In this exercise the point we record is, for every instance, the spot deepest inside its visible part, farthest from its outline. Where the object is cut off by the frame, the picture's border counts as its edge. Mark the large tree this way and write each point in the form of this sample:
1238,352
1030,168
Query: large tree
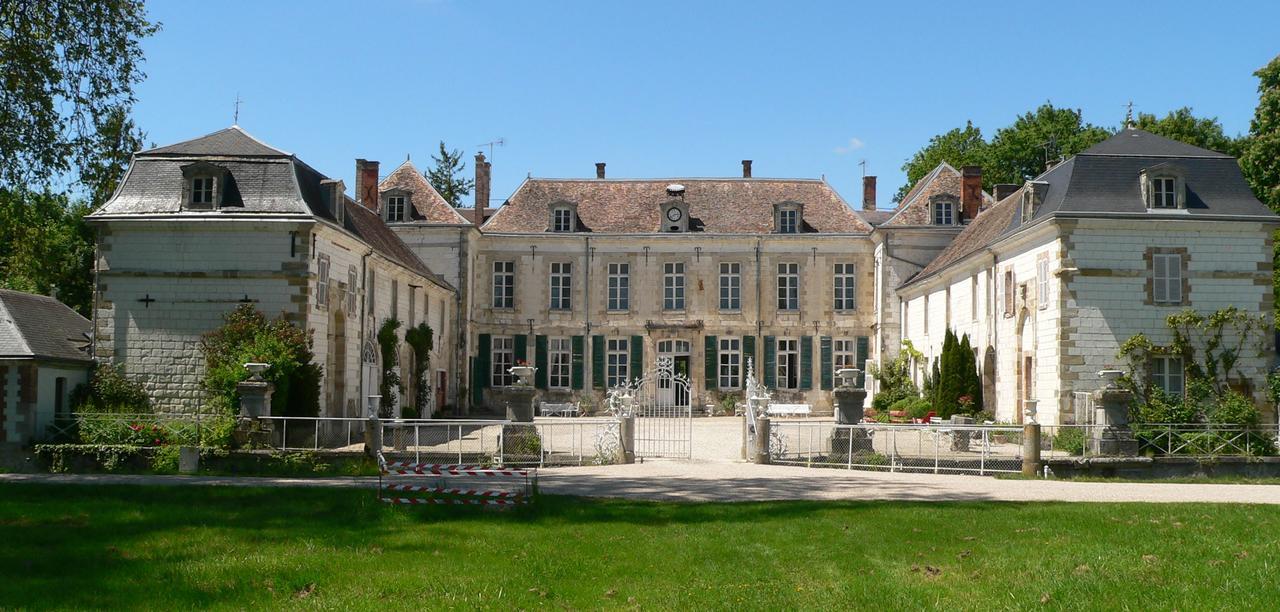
447,175
1260,152
959,147
46,246
1022,151
1182,125
68,68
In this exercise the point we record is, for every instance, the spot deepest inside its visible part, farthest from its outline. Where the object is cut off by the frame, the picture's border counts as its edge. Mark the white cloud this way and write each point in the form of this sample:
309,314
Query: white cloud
854,145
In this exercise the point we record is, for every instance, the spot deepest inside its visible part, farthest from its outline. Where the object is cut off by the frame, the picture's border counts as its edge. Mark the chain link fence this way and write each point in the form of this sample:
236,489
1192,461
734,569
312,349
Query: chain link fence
544,442
933,448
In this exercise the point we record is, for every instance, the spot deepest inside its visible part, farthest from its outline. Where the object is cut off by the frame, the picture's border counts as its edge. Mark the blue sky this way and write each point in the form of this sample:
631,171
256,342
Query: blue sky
663,89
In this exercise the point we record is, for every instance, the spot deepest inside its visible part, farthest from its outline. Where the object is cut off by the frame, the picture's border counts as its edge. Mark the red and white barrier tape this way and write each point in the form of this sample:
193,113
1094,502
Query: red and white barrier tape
453,501
471,492
405,468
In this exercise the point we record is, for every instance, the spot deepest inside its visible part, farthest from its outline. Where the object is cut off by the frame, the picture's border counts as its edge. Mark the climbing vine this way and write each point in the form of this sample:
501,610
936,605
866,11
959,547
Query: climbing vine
1211,347
389,345
421,339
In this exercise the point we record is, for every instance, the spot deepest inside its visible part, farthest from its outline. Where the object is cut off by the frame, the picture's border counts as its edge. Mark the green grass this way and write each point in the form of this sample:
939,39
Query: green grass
185,547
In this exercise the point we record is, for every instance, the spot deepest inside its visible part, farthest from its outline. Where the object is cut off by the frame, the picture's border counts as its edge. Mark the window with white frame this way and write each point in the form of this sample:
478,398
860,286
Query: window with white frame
925,313
504,284
619,286
973,297
618,356
788,363
1163,194
559,355
673,286
788,286
944,213
351,289
843,354
730,286
561,285
503,358
1167,374
322,281
730,363
204,190
562,219
396,212
1166,278
845,283
906,318
1042,282
788,220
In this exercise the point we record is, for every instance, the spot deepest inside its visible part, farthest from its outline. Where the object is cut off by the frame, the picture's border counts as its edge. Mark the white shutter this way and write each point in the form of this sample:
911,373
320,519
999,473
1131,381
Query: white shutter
1159,279
1173,272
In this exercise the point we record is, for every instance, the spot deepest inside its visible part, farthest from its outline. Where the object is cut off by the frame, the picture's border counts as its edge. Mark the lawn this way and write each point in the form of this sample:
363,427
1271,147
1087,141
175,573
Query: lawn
184,547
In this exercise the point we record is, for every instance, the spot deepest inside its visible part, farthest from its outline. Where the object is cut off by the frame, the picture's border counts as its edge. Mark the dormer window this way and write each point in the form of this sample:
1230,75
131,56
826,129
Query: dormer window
562,219
1163,194
1163,187
944,213
396,209
206,186
788,221
203,190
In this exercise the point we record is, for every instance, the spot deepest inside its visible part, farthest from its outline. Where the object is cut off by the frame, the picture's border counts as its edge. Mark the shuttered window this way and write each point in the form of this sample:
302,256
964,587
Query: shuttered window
502,357
559,354
618,361
788,363
729,356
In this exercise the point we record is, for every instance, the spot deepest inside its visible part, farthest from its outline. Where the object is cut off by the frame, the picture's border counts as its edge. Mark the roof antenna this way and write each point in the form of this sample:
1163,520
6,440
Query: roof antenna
235,119
863,163
499,142
1128,117
1050,149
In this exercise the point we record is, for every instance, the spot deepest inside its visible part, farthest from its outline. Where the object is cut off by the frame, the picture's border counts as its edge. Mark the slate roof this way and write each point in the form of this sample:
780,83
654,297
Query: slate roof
40,327
428,205
720,205
262,180
1104,181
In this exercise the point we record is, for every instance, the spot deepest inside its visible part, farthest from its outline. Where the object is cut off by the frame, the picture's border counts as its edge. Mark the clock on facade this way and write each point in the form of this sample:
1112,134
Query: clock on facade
673,214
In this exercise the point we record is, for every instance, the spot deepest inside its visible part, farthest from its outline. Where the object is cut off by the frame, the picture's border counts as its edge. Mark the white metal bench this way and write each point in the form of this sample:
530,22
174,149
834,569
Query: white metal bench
788,410
561,410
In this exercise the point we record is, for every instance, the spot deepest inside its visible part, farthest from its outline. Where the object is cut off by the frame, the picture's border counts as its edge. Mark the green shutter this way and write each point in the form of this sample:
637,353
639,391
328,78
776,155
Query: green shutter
864,353
597,361
709,363
576,366
806,363
480,373
637,358
476,395
828,363
540,362
749,352
770,362
521,343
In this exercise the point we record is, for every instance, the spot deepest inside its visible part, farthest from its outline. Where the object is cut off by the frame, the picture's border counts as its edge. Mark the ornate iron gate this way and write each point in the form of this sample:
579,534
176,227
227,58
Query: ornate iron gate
664,412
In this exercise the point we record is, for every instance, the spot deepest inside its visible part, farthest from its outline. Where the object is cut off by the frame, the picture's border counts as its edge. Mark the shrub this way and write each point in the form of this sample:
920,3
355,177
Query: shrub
728,403
1069,440
1162,407
164,460
1233,408
389,346
248,336
894,378
421,339
109,390
913,407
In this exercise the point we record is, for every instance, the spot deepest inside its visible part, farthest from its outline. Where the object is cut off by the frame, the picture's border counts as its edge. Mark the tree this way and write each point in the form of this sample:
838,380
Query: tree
47,247
959,147
248,336
1183,126
1260,153
447,177
116,140
1021,151
68,67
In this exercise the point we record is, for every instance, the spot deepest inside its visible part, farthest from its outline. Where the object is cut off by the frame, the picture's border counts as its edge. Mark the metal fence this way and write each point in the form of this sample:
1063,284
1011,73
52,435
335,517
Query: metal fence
935,447
544,442
126,428
1163,439
316,433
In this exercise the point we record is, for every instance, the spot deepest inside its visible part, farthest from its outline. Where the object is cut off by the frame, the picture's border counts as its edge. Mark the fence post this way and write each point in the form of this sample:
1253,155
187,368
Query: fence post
1030,449
373,436
627,438
761,450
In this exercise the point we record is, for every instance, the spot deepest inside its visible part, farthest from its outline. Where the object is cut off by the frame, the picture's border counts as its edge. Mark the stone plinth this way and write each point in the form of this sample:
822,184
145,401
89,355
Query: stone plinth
520,404
849,402
255,398
1113,437
846,440
960,437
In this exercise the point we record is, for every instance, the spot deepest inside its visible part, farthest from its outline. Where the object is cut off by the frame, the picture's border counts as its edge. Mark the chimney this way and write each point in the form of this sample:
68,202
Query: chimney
970,191
868,193
367,184
746,168
482,189
599,170
1004,190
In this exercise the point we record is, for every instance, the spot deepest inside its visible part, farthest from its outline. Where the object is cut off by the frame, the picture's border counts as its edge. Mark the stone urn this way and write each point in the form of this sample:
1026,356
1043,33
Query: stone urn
523,374
520,395
1111,378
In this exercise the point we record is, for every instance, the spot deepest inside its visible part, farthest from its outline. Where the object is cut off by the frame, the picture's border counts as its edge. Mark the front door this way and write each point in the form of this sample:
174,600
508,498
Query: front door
442,382
670,394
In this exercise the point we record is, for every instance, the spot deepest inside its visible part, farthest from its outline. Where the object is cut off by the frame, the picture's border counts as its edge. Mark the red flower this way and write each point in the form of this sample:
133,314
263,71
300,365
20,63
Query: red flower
135,427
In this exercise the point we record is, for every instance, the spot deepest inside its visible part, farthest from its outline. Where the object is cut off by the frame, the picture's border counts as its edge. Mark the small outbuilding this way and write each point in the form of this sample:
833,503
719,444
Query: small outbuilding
44,354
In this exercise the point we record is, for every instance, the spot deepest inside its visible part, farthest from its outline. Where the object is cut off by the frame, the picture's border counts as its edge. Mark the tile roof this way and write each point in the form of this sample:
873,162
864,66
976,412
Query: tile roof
914,209
728,205
41,327
428,205
876,217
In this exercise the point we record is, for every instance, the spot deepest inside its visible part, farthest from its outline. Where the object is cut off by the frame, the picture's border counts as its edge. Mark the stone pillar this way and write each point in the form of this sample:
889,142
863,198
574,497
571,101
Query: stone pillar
1030,449
627,439
1113,436
188,460
760,452
960,437
520,404
255,398
849,405
255,402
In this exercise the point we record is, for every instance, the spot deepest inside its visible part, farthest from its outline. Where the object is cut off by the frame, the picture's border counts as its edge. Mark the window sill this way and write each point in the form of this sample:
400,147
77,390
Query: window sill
730,311
846,311
618,312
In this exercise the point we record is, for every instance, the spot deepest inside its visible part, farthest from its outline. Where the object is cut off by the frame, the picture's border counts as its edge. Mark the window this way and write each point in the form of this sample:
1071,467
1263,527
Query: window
322,281
504,284
1166,373
1042,282
395,299
944,213
559,354
203,189
561,285
395,209
618,354
413,305
844,354
1166,278
844,290
673,286
788,221
989,292
1163,194
562,220
369,291
788,364
60,398
351,289
906,320
504,358
730,363
788,286
973,297
1008,293
730,286
619,286
926,315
